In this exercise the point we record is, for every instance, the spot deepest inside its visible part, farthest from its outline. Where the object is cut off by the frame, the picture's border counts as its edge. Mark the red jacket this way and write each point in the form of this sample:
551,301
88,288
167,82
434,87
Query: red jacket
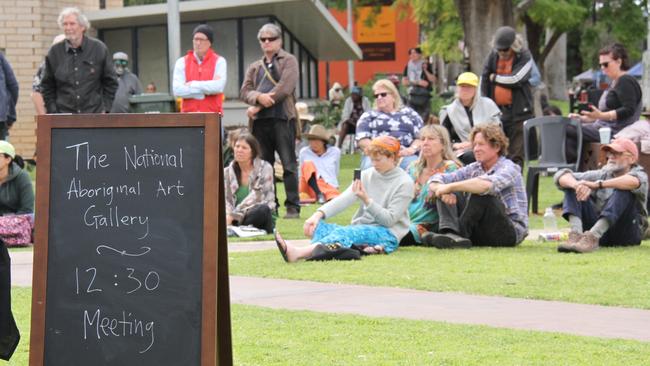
202,72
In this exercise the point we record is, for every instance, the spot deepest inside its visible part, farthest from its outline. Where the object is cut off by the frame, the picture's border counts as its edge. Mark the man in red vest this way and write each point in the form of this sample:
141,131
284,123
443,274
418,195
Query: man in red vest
200,76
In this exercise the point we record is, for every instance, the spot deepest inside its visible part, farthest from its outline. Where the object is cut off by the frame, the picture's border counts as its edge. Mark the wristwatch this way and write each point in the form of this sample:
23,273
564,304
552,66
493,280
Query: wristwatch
600,183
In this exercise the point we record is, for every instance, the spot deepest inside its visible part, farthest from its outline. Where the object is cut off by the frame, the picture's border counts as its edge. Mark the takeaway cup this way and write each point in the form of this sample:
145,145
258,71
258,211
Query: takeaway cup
605,135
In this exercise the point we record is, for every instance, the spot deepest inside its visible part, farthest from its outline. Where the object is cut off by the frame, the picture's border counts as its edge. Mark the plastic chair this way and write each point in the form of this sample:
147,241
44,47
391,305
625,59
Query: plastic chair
552,157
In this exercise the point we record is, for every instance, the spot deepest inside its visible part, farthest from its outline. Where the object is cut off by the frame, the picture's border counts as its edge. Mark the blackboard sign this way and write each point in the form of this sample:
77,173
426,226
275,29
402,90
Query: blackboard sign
128,273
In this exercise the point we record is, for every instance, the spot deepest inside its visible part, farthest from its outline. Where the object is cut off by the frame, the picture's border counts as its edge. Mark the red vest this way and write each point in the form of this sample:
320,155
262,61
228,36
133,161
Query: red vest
204,71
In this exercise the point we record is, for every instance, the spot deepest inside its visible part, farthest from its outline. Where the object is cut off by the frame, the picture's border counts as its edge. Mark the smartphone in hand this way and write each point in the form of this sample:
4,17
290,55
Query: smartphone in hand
357,174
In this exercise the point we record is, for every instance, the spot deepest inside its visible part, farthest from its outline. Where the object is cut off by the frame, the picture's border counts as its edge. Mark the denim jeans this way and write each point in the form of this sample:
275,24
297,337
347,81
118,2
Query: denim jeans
482,220
621,212
280,135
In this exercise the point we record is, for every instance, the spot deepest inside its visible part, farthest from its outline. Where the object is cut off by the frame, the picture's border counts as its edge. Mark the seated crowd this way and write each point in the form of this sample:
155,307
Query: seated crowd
445,186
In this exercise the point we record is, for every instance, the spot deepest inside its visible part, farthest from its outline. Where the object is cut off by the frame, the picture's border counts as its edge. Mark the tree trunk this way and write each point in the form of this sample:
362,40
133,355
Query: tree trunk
555,68
480,20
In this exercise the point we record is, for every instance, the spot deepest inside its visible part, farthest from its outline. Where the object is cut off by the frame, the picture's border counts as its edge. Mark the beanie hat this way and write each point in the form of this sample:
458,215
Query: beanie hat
504,38
205,29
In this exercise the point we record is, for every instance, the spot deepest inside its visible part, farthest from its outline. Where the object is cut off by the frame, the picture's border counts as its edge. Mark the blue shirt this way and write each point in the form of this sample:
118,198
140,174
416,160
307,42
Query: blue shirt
404,125
507,186
327,165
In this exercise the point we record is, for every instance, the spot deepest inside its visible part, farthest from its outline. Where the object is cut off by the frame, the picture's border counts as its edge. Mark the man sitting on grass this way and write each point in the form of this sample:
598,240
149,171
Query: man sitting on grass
483,203
609,202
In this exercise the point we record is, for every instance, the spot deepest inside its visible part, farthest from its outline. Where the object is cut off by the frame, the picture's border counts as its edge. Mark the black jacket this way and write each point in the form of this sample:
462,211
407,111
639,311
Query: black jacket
522,96
81,80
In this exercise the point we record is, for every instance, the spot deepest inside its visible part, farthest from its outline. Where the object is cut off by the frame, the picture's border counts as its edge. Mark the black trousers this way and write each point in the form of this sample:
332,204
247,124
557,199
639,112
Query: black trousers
589,134
9,334
259,216
280,135
481,219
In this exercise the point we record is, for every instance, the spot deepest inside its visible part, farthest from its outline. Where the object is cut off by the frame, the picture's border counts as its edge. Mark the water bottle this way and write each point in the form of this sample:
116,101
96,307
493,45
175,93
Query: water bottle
550,222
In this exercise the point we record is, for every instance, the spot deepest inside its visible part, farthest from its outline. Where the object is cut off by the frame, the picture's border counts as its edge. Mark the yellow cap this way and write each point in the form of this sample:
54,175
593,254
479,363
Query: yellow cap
467,78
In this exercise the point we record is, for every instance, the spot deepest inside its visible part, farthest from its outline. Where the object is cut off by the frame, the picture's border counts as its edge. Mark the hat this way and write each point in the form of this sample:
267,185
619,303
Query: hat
303,111
7,148
389,143
504,38
318,132
120,56
467,78
356,90
622,145
205,29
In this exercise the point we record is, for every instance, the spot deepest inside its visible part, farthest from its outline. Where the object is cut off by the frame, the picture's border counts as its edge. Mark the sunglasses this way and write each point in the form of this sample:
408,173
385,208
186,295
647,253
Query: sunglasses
268,39
383,95
604,65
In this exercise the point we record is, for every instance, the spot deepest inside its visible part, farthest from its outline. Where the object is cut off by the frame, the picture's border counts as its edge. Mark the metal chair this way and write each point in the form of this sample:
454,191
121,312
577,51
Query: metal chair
552,155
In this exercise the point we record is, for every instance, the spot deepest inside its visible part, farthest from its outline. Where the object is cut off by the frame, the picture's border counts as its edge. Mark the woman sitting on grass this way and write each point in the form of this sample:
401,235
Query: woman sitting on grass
379,224
248,180
16,198
436,156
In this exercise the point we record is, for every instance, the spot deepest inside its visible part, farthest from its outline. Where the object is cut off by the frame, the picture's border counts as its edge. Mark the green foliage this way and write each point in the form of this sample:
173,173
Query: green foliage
559,15
440,24
615,21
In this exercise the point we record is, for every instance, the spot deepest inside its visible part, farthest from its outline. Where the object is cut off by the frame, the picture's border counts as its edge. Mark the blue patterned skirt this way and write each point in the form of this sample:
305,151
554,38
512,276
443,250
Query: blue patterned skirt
355,234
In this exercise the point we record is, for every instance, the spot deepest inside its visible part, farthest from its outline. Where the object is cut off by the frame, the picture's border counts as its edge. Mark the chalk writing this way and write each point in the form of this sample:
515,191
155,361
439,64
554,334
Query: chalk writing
125,326
112,219
145,250
92,161
77,190
150,158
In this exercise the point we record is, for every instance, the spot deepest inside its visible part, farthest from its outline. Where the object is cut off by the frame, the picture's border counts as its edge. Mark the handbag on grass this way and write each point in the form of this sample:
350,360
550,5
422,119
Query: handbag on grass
16,230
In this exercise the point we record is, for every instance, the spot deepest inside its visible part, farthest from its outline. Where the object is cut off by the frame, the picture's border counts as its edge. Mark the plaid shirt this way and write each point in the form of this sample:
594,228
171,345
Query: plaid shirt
507,186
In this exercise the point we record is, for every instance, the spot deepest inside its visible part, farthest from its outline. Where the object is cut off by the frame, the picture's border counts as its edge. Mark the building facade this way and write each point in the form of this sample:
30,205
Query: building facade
27,28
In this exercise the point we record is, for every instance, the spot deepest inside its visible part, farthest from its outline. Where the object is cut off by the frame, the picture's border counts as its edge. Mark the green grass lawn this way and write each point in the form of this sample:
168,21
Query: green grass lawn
612,276
268,337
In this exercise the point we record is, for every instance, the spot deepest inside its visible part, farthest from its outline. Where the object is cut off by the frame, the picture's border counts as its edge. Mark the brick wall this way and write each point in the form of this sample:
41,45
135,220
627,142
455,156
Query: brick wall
27,28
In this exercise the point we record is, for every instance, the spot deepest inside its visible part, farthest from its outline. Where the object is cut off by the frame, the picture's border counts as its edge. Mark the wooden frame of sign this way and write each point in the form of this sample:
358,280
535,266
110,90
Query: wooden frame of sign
120,300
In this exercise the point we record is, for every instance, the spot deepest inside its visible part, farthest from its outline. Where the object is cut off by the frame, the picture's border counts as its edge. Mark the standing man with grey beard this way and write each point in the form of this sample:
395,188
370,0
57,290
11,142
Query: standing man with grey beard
79,76
608,204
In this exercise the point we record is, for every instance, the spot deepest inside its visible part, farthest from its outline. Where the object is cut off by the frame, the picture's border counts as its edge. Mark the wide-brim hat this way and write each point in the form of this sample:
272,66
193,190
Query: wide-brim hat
318,132
303,111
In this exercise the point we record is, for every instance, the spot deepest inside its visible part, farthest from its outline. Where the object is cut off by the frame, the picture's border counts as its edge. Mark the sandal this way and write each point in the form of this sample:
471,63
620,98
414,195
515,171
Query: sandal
282,246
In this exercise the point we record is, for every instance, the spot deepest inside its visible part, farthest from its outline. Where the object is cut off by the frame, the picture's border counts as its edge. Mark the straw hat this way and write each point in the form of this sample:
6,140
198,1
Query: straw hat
303,111
318,132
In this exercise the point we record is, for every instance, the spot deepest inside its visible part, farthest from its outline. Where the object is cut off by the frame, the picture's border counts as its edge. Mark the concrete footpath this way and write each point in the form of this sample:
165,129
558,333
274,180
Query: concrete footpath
551,316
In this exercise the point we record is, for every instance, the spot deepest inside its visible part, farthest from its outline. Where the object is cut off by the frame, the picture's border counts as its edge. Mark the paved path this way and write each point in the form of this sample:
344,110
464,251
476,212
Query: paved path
553,316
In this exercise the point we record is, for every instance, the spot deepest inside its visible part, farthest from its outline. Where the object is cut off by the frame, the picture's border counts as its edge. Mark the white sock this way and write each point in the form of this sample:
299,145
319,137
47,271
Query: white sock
600,227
